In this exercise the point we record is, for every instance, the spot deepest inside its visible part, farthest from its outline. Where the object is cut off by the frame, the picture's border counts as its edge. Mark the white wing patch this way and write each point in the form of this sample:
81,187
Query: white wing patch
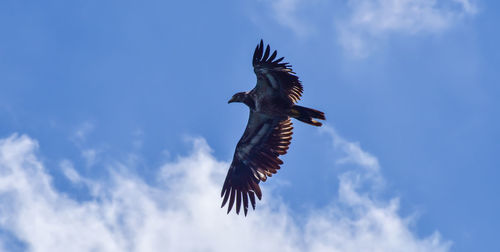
272,81
244,151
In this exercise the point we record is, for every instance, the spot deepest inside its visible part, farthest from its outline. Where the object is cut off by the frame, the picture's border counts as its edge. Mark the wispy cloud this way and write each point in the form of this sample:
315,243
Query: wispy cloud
82,131
369,22
90,156
69,171
366,169
181,212
372,20
285,12
80,138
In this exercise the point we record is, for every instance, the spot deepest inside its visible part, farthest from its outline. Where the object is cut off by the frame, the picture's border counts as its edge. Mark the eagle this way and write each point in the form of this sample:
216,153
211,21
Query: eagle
269,128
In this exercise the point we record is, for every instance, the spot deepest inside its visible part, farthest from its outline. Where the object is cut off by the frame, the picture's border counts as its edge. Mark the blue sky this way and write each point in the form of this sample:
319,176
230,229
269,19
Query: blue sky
105,96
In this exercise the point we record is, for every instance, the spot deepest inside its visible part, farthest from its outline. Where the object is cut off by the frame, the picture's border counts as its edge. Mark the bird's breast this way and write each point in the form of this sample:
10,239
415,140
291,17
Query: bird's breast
272,106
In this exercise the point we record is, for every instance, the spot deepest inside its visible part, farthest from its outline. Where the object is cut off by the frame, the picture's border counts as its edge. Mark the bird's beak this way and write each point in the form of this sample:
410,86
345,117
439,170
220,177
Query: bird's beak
231,100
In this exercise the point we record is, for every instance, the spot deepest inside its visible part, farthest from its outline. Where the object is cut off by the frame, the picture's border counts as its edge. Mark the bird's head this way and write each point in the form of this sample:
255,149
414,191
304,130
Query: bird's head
238,97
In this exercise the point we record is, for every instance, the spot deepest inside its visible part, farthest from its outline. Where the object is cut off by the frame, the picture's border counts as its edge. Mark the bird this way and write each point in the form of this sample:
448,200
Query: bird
269,129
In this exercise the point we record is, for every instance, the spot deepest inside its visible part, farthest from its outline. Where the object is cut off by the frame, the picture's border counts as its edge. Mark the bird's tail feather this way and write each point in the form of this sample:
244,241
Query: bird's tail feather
307,114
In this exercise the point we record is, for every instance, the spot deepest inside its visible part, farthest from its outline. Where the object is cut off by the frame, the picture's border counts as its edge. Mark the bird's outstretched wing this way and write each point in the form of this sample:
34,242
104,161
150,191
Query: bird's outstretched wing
275,74
255,159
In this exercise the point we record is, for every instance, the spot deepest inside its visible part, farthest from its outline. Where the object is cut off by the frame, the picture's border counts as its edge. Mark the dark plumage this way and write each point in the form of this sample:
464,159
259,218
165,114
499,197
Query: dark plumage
269,129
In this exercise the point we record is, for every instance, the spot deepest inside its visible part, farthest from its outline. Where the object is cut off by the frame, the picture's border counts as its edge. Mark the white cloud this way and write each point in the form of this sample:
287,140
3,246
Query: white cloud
69,171
368,168
80,137
181,212
371,20
285,13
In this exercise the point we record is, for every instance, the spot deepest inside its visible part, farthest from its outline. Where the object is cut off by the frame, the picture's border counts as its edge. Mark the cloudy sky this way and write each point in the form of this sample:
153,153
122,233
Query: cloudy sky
116,134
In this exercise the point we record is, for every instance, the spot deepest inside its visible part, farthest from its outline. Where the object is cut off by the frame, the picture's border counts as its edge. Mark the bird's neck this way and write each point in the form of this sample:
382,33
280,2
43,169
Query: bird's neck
249,101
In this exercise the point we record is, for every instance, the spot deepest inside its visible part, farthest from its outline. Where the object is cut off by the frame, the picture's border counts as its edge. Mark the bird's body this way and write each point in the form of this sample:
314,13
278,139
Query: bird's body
269,129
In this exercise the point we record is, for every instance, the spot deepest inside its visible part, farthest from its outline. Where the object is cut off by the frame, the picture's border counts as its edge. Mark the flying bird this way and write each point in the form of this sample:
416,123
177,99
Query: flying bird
269,128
